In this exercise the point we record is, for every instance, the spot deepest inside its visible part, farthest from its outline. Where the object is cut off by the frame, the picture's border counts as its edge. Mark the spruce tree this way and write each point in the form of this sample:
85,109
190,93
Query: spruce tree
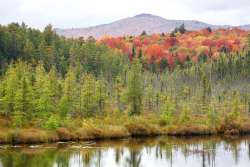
11,82
68,100
89,99
168,109
22,103
134,92
101,95
43,102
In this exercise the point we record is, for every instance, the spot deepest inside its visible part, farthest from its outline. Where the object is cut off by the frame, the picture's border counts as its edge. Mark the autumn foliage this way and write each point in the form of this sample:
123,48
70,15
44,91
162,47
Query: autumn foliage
188,46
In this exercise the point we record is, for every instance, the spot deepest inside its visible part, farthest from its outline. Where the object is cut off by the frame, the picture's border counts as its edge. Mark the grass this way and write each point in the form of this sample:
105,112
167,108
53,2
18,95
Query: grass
121,126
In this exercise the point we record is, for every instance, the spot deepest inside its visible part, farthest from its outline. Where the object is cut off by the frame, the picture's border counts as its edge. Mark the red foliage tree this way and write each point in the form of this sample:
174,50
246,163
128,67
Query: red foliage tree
154,52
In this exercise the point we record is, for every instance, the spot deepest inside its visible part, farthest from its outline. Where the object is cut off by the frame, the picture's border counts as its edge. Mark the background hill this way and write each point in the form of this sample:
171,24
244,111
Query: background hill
135,25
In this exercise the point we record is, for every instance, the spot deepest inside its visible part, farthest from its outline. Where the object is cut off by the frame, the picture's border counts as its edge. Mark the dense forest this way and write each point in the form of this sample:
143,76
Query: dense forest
178,83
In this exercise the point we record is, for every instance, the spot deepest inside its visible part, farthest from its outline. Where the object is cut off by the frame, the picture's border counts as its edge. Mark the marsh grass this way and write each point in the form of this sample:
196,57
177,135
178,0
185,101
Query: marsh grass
123,126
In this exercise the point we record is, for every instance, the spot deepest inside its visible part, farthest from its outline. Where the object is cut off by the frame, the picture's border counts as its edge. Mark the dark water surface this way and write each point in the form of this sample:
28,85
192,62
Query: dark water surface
147,152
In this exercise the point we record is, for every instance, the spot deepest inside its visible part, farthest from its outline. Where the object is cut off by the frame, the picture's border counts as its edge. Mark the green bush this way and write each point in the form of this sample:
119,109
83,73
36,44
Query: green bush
52,123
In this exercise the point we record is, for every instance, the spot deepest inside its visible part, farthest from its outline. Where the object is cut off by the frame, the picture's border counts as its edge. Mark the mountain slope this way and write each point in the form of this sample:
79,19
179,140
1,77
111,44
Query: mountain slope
245,27
134,26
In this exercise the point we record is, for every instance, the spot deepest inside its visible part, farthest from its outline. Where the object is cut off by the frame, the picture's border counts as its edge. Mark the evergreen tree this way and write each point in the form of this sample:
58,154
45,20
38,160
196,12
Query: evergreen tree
28,50
134,92
168,110
182,29
23,97
43,102
143,33
22,103
101,94
49,35
11,83
118,92
89,98
68,100
149,98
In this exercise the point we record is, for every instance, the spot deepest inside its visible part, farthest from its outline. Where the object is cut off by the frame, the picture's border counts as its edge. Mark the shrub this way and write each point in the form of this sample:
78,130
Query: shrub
52,123
167,111
185,114
17,119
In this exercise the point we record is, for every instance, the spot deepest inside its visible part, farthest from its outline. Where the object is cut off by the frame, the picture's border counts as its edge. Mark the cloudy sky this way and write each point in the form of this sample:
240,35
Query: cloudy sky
83,13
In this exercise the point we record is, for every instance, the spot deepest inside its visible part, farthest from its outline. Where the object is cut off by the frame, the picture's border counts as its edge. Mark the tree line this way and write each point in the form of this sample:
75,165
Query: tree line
50,79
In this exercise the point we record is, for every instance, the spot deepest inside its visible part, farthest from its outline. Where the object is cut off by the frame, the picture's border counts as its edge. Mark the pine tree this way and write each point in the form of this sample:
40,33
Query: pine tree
89,101
43,101
28,50
68,102
48,34
133,52
206,91
182,29
23,97
53,85
168,110
11,82
101,94
149,98
118,92
185,113
134,92
235,109
22,103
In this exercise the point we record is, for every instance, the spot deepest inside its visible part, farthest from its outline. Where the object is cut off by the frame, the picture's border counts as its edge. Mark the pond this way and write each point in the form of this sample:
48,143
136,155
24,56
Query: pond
134,152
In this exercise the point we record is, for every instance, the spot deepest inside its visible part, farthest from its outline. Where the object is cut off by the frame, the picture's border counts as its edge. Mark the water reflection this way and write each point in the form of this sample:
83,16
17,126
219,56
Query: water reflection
161,151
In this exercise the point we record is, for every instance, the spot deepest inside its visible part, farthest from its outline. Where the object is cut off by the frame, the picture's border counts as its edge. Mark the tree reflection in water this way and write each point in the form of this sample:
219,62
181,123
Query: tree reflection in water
161,151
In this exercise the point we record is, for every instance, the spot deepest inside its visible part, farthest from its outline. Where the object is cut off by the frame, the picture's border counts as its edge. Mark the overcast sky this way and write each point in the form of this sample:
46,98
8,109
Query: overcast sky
83,13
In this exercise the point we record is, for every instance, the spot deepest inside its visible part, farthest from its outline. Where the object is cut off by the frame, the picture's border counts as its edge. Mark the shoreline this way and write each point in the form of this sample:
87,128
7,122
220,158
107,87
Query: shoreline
41,136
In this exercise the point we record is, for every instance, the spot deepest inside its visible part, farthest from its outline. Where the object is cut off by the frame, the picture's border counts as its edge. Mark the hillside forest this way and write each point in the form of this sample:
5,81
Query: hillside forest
180,83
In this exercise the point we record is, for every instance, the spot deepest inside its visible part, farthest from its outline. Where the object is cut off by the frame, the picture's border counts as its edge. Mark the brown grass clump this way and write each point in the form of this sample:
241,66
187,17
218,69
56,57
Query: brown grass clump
32,135
4,122
245,128
88,131
65,135
111,131
189,130
140,127
232,132
4,136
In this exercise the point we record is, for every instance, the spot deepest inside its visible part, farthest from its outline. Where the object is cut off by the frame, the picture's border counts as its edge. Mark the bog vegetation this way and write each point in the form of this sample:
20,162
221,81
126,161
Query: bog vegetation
183,83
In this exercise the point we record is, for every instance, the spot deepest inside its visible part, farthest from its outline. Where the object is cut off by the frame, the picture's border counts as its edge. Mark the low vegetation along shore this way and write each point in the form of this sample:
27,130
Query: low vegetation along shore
122,127
58,89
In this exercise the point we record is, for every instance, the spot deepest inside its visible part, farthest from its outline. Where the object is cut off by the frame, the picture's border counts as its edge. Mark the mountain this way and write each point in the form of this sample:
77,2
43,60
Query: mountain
245,27
135,25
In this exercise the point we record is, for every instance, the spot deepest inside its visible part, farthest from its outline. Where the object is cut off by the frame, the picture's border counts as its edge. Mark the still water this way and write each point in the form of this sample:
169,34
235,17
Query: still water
146,152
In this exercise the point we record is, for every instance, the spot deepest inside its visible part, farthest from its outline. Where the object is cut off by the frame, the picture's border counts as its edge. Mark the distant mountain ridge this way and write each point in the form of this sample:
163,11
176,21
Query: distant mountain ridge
135,25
